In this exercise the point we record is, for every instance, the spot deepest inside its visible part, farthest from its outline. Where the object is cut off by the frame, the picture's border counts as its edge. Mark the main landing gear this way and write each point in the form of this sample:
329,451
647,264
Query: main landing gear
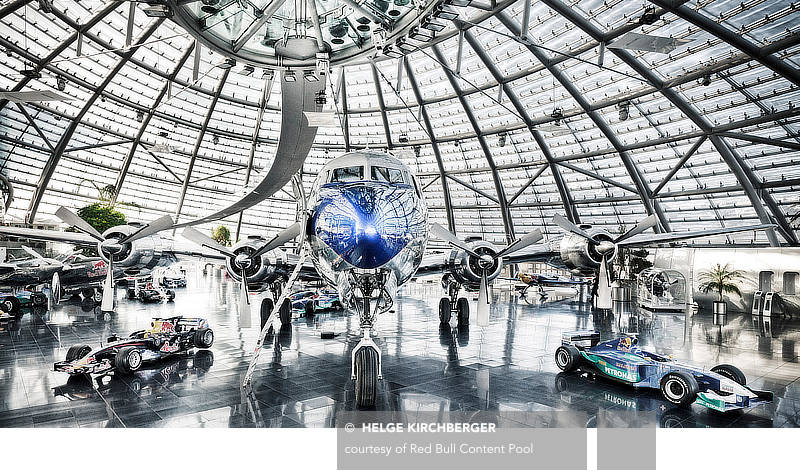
452,304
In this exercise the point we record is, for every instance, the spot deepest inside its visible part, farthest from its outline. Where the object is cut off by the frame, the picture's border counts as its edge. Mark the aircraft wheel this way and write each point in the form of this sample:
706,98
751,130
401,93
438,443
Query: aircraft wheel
77,352
444,311
266,308
730,372
11,304
567,358
286,312
366,376
98,296
128,360
679,388
462,306
309,307
204,338
38,299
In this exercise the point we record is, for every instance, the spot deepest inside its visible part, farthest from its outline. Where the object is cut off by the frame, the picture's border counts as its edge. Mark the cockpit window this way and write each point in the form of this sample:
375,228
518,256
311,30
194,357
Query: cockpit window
347,174
387,175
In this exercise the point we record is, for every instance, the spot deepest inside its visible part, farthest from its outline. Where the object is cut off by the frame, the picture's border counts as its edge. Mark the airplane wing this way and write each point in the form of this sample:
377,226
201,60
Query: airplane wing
77,238
653,239
436,262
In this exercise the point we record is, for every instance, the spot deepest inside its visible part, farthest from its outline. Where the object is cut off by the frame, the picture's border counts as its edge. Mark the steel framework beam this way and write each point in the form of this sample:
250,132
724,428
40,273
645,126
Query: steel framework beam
36,127
61,146
527,184
596,176
732,38
41,64
651,207
473,188
743,173
345,117
98,145
126,163
448,206
761,140
262,105
199,142
508,223
381,104
679,165
561,185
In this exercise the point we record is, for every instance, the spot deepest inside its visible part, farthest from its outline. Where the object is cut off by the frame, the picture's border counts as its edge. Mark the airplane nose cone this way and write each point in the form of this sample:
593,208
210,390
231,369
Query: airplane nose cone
366,225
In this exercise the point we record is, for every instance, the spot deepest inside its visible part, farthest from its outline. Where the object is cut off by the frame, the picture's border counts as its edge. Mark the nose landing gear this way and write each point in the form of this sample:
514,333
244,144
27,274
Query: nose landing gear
365,361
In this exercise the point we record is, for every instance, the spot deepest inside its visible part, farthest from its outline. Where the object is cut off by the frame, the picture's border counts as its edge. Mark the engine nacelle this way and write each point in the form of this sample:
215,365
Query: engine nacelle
580,255
140,256
270,267
467,269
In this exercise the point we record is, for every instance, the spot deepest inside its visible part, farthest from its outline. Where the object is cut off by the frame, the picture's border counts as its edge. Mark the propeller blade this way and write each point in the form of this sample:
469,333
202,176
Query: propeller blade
603,300
205,241
441,233
524,241
644,224
244,303
32,252
160,224
107,304
281,238
483,303
651,239
74,220
568,226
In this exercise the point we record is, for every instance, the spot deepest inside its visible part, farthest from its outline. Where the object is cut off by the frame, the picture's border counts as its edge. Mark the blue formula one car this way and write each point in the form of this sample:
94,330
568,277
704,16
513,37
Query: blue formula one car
312,301
722,389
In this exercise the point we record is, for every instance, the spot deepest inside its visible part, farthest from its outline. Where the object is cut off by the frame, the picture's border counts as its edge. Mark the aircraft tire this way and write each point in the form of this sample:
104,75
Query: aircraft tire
286,312
463,311
366,377
266,309
444,311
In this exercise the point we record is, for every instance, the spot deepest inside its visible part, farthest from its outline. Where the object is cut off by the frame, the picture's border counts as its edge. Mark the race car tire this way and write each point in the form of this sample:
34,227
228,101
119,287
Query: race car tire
286,312
462,307
567,358
76,352
87,293
309,308
337,306
267,305
11,304
730,372
38,299
204,338
444,311
128,360
366,376
170,295
679,388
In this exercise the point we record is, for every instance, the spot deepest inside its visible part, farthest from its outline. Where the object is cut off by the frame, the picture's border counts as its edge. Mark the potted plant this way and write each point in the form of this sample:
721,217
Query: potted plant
720,279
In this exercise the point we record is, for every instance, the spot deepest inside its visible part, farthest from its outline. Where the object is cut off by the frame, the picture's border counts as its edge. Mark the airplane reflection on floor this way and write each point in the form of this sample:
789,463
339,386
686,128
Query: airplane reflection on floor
304,380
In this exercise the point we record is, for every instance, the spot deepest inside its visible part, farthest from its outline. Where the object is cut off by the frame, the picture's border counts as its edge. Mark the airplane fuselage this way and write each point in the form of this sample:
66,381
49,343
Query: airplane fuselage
368,217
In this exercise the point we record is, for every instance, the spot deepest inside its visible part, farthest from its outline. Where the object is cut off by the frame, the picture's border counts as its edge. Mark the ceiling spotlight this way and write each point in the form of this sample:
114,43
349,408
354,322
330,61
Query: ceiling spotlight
227,63
289,76
624,113
433,24
247,70
310,76
403,138
139,116
417,151
445,12
557,114
501,140
163,134
706,80
268,75
61,84
320,98
46,6
649,16
458,3
215,139
457,143
158,11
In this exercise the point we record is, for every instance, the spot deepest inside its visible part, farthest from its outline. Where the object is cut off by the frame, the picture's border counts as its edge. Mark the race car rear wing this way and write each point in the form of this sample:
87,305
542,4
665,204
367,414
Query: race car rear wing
580,338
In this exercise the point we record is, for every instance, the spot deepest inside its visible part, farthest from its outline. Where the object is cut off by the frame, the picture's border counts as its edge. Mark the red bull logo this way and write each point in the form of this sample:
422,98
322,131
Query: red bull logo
98,268
625,344
168,348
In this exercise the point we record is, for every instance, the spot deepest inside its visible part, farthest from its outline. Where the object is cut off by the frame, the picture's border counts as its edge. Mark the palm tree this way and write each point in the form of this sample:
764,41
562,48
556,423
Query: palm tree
721,279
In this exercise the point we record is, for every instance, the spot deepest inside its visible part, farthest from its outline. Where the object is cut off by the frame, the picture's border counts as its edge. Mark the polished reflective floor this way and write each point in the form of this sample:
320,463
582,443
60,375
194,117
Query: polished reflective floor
303,380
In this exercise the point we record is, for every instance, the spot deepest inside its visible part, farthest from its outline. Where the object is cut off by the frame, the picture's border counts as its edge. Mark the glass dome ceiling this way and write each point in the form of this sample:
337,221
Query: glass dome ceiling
506,124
